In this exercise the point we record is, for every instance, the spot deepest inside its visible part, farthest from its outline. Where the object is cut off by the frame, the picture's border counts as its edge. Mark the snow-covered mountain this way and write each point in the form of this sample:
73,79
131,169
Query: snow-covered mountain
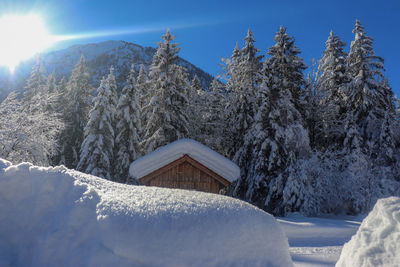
99,58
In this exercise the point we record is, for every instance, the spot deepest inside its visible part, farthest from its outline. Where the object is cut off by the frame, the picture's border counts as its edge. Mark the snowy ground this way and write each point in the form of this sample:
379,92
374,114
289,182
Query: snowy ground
318,241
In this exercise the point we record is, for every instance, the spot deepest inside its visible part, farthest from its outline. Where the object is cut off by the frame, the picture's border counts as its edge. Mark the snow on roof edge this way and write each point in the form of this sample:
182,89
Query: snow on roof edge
175,150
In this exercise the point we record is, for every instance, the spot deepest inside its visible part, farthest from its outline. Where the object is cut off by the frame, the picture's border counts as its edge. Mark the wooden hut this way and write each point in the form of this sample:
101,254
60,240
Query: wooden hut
185,164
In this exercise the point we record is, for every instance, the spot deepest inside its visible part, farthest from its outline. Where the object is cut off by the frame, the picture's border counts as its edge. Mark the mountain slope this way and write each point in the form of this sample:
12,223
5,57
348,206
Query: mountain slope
99,58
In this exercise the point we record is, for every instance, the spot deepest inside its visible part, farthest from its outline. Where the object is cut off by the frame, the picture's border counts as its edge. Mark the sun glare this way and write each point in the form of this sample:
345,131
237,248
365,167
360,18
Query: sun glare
22,36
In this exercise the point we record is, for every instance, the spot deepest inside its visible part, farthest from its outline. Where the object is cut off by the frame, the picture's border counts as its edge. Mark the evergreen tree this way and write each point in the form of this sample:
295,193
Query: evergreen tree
287,66
242,89
166,112
51,93
213,116
332,87
35,84
385,145
97,148
251,186
112,83
142,86
312,115
143,90
278,136
196,110
77,105
367,79
61,109
128,128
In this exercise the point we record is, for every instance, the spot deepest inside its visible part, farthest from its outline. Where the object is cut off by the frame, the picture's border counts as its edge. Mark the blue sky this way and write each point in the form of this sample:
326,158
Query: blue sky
208,30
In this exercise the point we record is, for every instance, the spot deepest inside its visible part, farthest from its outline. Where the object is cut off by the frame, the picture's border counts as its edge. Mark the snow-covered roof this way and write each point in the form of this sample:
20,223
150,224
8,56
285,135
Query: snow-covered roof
69,218
175,150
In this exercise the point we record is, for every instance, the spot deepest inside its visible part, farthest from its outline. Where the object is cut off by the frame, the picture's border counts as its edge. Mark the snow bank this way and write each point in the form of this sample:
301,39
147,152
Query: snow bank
377,241
60,217
171,152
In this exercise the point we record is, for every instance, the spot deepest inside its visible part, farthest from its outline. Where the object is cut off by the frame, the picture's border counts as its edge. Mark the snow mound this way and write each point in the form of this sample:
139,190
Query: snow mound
61,217
171,152
377,241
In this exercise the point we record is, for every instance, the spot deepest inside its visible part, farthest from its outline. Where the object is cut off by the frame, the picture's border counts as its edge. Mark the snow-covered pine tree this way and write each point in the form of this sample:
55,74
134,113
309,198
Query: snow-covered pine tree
242,89
97,149
35,84
166,112
229,69
196,110
279,136
385,146
61,109
128,129
284,55
332,88
51,85
369,111
396,124
360,185
62,91
112,84
312,99
77,106
142,86
213,116
51,93
252,186
367,79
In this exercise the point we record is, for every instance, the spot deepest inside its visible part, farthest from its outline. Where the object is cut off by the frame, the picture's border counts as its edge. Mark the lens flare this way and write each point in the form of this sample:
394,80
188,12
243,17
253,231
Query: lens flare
22,36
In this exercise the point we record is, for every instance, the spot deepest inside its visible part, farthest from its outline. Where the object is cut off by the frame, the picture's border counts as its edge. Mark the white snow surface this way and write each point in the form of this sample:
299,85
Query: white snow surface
173,151
318,241
377,242
60,217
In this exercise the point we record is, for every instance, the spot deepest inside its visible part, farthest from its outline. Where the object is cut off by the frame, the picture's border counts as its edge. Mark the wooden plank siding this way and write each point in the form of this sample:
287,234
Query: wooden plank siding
186,173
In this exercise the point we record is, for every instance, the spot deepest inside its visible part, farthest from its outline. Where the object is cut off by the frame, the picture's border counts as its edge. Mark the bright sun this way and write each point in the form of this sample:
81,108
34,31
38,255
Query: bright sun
21,36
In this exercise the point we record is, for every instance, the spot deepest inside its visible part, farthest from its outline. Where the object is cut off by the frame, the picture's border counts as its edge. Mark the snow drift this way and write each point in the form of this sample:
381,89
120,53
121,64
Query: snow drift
377,241
60,217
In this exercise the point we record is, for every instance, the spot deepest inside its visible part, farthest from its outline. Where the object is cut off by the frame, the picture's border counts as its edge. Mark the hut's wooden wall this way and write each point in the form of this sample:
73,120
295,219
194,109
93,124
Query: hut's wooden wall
186,176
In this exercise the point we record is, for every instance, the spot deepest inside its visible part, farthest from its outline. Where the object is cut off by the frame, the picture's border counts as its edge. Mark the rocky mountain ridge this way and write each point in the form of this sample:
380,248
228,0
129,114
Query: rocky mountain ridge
99,58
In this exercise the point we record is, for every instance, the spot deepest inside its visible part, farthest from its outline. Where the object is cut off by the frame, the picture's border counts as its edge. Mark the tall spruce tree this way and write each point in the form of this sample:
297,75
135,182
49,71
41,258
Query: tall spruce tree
196,110
288,66
112,84
128,129
51,93
166,112
332,87
312,99
142,86
367,80
215,102
279,138
77,105
97,149
143,89
36,83
242,90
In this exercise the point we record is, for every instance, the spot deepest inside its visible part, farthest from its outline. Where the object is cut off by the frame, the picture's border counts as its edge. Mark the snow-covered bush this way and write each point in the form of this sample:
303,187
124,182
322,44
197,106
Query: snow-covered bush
26,135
